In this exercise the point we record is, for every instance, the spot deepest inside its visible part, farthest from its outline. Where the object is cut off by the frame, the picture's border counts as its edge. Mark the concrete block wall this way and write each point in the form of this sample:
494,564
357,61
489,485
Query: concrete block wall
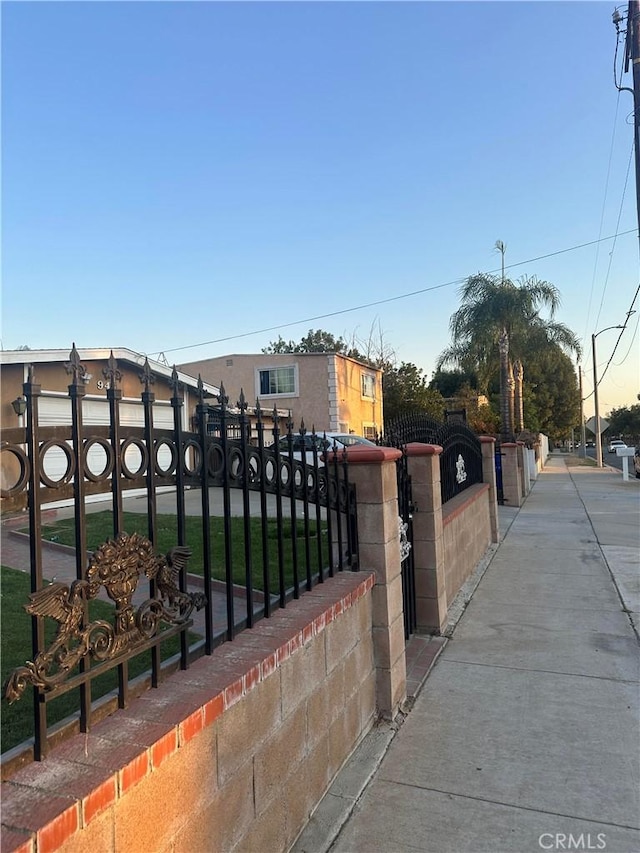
448,540
231,755
488,446
234,754
373,472
511,476
466,528
428,546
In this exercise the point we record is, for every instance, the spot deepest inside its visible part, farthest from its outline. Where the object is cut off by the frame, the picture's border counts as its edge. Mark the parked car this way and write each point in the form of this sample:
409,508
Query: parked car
636,461
613,445
323,441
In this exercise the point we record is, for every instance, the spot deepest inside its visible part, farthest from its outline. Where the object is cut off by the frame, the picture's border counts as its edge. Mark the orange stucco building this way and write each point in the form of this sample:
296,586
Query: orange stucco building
329,391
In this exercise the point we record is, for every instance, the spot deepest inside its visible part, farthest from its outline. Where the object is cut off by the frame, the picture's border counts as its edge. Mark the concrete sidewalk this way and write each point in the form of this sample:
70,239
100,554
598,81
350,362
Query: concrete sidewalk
526,734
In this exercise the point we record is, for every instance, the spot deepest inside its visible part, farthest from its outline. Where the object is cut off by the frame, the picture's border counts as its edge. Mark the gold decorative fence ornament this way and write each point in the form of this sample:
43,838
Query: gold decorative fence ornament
116,566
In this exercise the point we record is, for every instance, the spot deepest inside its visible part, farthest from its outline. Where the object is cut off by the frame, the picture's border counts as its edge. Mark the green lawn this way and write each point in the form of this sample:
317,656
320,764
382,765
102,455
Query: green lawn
100,528
17,719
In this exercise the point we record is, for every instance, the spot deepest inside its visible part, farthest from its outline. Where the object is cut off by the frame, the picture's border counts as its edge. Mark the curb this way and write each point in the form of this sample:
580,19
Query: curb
49,544
335,808
337,805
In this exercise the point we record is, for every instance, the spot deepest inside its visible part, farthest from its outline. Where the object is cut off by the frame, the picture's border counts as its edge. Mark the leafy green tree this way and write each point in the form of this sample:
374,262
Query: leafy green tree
625,421
452,382
279,346
483,420
405,388
481,417
552,398
495,326
316,340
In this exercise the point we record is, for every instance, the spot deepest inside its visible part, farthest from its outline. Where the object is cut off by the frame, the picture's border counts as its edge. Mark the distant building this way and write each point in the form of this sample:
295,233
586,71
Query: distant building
329,391
466,400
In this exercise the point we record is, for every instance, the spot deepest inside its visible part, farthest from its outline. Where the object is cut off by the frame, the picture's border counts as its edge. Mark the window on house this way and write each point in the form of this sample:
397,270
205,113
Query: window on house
368,386
278,380
369,431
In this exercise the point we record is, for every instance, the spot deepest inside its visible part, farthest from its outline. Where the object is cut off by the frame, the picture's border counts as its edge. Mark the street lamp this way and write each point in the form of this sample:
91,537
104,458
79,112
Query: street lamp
595,395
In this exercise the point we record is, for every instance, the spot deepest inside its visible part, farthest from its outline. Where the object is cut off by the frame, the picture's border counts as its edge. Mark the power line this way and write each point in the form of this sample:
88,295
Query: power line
604,204
613,248
622,331
627,354
389,298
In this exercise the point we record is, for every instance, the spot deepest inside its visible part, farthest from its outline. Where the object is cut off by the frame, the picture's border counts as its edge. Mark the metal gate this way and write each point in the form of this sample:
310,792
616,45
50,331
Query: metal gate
405,532
499,485
460,468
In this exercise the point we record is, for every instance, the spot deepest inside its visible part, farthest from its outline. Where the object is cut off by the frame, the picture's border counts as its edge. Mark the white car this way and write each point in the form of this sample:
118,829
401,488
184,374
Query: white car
323,441
613,445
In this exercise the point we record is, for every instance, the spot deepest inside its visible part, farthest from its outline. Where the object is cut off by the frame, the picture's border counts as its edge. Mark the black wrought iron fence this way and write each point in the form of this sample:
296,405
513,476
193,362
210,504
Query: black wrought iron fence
498,455
460,460
405,521
411,426
461,457
269,522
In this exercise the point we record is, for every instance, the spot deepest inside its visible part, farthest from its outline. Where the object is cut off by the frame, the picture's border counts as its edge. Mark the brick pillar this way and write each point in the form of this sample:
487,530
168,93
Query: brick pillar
511,474
373,471
428,542
488,445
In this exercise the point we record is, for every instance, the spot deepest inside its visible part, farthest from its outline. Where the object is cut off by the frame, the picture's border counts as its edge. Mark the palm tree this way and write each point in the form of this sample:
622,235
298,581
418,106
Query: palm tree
518,407
496,314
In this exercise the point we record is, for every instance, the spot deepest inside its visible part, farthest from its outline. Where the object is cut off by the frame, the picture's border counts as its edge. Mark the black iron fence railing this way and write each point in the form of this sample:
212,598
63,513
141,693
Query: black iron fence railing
405,520
412,426
248,524
460,460
461,457
498,455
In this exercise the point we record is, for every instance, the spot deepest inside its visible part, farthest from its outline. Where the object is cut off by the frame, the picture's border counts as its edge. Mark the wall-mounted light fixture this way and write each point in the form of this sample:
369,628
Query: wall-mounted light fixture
19,405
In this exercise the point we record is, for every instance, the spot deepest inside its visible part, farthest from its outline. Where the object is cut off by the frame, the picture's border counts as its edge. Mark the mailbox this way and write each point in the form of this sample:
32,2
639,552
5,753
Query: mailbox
626,453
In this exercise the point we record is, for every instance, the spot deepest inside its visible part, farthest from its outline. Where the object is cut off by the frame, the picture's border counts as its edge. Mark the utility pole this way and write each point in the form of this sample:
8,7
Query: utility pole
632,58
583,432
633,55
596,406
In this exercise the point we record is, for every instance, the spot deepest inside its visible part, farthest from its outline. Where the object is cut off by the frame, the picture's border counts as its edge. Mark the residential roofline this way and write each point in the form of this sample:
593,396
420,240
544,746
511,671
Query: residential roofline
296,354
42,356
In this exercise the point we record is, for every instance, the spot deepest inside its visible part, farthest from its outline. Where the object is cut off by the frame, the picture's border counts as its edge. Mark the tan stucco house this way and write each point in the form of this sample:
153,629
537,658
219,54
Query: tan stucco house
54,406
50,373
329,391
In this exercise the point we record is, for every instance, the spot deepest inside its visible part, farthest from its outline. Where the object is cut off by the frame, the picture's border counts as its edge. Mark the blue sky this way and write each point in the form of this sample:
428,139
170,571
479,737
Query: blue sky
177,173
